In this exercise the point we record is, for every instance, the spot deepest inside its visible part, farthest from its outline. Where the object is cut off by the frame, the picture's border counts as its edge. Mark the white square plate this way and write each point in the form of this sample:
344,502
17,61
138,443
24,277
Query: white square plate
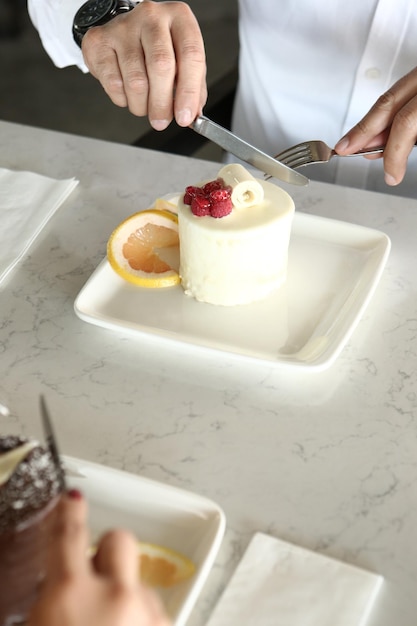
333,269
155,513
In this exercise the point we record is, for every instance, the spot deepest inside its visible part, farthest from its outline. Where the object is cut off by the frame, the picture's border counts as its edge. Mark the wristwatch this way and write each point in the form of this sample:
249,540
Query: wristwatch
97,12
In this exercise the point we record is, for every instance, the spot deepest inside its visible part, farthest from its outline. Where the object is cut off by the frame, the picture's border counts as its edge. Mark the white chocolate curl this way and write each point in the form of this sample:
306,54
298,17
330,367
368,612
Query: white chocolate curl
246,190
11,459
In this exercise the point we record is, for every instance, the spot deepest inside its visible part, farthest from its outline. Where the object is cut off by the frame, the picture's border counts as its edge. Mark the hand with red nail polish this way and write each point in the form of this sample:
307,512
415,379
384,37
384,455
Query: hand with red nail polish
80,591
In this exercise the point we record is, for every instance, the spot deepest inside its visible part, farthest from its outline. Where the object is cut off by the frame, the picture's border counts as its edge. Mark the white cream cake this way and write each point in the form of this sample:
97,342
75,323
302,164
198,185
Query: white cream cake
242,256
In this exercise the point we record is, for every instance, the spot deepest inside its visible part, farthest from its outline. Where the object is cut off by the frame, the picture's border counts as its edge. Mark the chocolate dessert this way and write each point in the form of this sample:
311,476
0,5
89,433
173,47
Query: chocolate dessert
29,490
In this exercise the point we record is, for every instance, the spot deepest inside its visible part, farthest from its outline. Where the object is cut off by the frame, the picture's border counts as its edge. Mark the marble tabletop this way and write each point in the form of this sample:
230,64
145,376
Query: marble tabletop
327,460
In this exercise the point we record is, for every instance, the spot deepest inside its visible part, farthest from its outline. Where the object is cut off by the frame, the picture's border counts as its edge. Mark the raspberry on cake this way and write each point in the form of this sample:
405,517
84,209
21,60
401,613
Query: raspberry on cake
29,492
234,234
214,198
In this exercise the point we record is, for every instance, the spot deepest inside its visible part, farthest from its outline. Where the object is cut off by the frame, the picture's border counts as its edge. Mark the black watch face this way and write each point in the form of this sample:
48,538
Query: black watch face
92,12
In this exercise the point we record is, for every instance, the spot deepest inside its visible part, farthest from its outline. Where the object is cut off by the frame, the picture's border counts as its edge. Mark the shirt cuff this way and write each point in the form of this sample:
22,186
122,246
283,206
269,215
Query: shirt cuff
53,21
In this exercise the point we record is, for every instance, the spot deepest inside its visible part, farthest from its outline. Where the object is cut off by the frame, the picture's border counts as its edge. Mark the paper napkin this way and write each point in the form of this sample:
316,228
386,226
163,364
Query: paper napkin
27,202
280,584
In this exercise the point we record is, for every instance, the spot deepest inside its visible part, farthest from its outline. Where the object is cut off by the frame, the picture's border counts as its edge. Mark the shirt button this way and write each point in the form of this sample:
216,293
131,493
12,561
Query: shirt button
373,73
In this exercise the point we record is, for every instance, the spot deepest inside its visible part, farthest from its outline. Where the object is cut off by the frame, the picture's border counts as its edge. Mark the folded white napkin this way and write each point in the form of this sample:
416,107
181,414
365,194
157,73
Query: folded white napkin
280,584
27,201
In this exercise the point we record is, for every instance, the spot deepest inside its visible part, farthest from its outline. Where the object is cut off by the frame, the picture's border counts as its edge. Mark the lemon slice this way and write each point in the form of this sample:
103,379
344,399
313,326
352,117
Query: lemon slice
144,249
160,566
165,204
163,567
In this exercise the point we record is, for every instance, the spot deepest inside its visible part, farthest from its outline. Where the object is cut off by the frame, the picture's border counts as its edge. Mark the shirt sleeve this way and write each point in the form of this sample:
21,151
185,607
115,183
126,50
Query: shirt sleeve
53,21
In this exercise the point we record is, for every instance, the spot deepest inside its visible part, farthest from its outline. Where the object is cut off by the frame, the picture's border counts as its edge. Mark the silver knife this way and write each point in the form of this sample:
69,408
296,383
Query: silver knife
51,441
244,151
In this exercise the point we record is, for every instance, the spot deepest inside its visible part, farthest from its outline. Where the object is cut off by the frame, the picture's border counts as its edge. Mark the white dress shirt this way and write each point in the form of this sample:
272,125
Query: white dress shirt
309,69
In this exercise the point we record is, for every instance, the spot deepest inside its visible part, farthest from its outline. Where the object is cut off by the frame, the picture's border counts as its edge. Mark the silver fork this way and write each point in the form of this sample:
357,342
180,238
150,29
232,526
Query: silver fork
315,151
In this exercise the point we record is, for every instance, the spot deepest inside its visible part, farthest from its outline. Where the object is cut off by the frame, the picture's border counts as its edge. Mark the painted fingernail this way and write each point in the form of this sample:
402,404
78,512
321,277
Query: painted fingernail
390,180
184,117
74,494
159,124
342,145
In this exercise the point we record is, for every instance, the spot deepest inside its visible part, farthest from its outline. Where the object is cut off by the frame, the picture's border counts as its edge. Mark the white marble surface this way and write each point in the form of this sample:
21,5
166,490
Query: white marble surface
325,460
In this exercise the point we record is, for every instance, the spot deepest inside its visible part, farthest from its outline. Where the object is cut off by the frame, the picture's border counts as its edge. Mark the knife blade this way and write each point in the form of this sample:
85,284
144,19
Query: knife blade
52,444
244,151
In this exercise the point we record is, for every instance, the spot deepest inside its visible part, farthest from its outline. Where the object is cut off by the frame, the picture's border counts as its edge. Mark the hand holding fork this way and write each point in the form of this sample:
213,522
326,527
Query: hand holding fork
316,151
392,121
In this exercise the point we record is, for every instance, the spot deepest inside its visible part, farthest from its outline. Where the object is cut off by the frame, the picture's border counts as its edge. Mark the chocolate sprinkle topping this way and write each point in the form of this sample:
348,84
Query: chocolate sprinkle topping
33,484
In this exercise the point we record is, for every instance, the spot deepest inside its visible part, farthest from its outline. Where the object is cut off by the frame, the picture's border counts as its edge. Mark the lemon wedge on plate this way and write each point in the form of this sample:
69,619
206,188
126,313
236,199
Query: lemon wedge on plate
144,249
160,566
167,204
163,567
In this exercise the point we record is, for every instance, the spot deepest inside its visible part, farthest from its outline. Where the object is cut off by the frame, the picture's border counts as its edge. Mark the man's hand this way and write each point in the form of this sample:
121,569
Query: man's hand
151,60
392,121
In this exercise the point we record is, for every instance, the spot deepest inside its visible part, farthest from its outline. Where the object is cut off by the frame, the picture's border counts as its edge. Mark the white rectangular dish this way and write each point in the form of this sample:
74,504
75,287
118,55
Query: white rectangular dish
155,513
333,270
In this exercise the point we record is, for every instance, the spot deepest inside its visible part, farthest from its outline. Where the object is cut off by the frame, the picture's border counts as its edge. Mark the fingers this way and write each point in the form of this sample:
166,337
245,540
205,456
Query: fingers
117,557
400,142
371,128
74,593
100,56
391,121
67,555
145,57
191,87
161,64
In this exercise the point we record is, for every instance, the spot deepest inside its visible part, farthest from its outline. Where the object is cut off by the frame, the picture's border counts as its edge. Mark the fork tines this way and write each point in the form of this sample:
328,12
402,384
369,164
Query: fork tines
296,155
